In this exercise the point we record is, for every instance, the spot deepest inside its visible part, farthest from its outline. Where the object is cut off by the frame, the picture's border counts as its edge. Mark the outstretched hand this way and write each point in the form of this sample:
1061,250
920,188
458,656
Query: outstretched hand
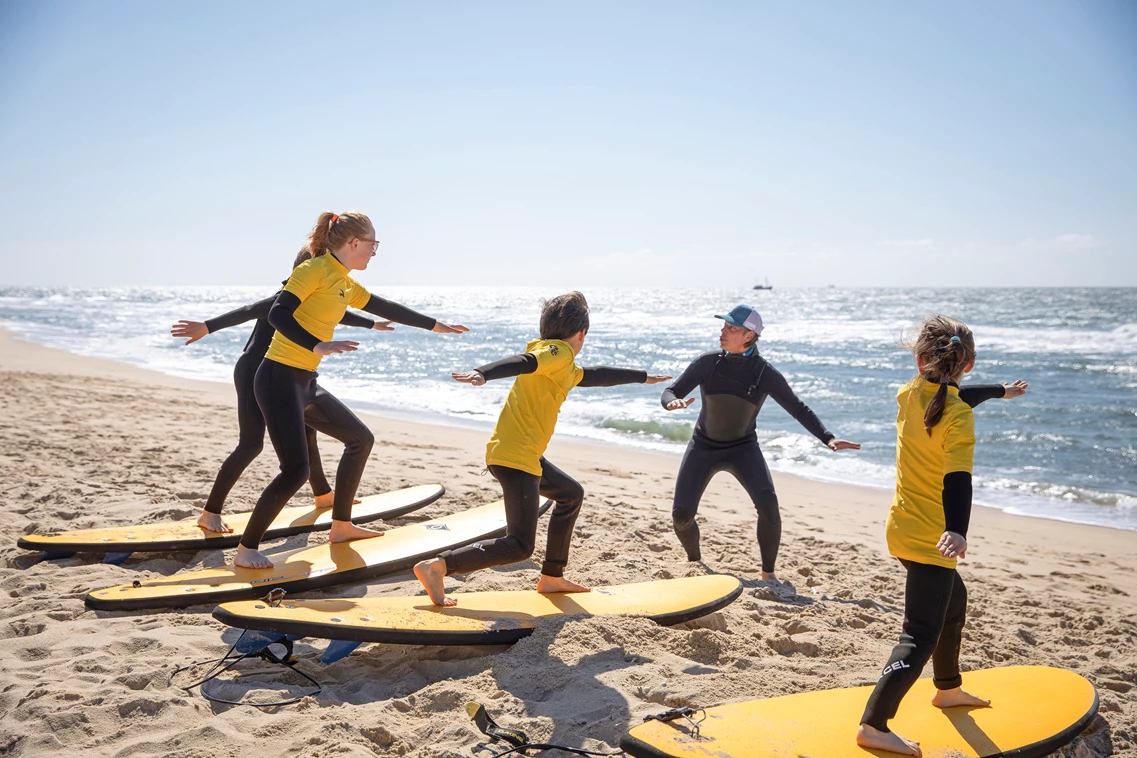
676,404
339,346
1014,389
656,378
469,377
442,328
952,545
383,326
195,330
836,444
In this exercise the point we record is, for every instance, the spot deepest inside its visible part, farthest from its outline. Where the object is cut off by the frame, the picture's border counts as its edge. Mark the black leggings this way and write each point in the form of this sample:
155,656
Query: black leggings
290,399
522,492
746,464
252,425
935,604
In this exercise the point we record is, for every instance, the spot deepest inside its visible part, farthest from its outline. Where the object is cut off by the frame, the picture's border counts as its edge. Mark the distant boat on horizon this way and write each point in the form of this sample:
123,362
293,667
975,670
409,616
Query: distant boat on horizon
766,286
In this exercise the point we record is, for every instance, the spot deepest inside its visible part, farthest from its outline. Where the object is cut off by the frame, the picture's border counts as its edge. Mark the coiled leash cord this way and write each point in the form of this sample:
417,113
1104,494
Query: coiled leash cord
517,740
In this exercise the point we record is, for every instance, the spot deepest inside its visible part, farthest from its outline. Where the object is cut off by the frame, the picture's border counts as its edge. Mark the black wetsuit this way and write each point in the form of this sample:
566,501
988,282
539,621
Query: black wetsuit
522,491
249,418
291,400
733,388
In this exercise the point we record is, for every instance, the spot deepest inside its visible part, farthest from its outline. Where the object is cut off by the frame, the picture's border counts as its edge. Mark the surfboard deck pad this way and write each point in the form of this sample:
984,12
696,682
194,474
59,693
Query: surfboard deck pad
479,618
1034,711
187,535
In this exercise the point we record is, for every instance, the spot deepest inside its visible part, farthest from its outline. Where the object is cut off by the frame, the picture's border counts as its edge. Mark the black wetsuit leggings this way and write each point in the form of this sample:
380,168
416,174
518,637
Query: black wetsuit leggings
935,604
290,399
746,464
252,425
522,492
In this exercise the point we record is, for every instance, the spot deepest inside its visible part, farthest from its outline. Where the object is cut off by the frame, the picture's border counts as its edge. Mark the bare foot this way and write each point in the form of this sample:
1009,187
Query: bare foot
953,697
328,499
768,576
345,531
869,737
549,584
250,559
431,572
211,522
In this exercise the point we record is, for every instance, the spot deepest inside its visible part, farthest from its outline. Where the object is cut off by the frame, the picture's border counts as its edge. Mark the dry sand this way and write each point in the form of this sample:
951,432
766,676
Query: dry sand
86,442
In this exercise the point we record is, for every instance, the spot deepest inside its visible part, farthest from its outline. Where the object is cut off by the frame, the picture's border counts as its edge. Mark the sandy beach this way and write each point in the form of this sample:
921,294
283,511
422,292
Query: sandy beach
86,442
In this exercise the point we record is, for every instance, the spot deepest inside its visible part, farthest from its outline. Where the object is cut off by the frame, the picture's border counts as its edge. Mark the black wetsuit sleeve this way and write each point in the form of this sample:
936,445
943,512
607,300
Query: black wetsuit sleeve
354,319
779,389
245,313
514,365
606,376
957,502
691,378
400,314
975,394
282,317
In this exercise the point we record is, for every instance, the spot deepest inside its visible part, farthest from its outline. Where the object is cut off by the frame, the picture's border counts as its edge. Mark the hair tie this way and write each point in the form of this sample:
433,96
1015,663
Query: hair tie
955,338
335,217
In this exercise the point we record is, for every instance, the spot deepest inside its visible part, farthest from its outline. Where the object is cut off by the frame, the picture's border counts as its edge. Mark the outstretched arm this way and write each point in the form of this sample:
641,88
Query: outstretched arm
514,365
354,319
692,377
606,376
779,389
975,394
195,330
401,314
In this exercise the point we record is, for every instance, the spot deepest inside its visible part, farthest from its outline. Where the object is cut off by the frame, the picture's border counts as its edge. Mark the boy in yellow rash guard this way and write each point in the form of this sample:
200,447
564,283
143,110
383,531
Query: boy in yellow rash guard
545,372
927,530
305,315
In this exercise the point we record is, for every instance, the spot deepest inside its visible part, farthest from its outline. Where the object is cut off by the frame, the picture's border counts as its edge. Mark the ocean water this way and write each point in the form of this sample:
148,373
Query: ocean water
1067,450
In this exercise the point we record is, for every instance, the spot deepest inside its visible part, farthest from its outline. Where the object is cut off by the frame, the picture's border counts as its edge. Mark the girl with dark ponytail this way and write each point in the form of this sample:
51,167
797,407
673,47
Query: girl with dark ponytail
927,529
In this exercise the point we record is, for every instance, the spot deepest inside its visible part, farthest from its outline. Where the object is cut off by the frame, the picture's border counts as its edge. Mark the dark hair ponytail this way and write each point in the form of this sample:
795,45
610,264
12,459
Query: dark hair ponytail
944,346
303,255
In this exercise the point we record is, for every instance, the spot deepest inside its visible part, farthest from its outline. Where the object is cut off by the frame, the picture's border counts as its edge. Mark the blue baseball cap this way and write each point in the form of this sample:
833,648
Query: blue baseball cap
744,316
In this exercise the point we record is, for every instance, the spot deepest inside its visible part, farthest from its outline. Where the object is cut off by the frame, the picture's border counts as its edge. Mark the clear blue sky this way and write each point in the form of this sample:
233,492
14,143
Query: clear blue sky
848,143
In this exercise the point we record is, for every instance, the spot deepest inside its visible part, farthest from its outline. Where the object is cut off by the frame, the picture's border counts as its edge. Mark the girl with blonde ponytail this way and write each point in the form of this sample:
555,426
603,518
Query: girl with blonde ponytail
305,315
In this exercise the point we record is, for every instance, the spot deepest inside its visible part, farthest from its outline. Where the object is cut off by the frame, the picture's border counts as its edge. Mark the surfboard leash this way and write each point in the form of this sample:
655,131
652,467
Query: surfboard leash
681,713
229,660
519,743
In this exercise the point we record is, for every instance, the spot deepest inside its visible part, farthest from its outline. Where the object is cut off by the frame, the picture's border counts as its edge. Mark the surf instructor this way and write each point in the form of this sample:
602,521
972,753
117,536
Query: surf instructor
734,381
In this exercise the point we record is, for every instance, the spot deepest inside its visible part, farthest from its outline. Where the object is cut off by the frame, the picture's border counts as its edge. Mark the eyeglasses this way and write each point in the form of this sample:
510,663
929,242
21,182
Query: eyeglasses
374,243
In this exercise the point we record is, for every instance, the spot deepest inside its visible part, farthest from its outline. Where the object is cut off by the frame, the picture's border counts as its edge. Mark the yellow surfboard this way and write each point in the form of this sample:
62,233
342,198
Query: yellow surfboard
1034,711
187,535
311,567
480,618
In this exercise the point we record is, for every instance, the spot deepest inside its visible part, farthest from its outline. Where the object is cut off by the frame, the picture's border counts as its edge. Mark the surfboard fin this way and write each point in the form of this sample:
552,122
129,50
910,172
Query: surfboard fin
116,559
338,649
50,555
